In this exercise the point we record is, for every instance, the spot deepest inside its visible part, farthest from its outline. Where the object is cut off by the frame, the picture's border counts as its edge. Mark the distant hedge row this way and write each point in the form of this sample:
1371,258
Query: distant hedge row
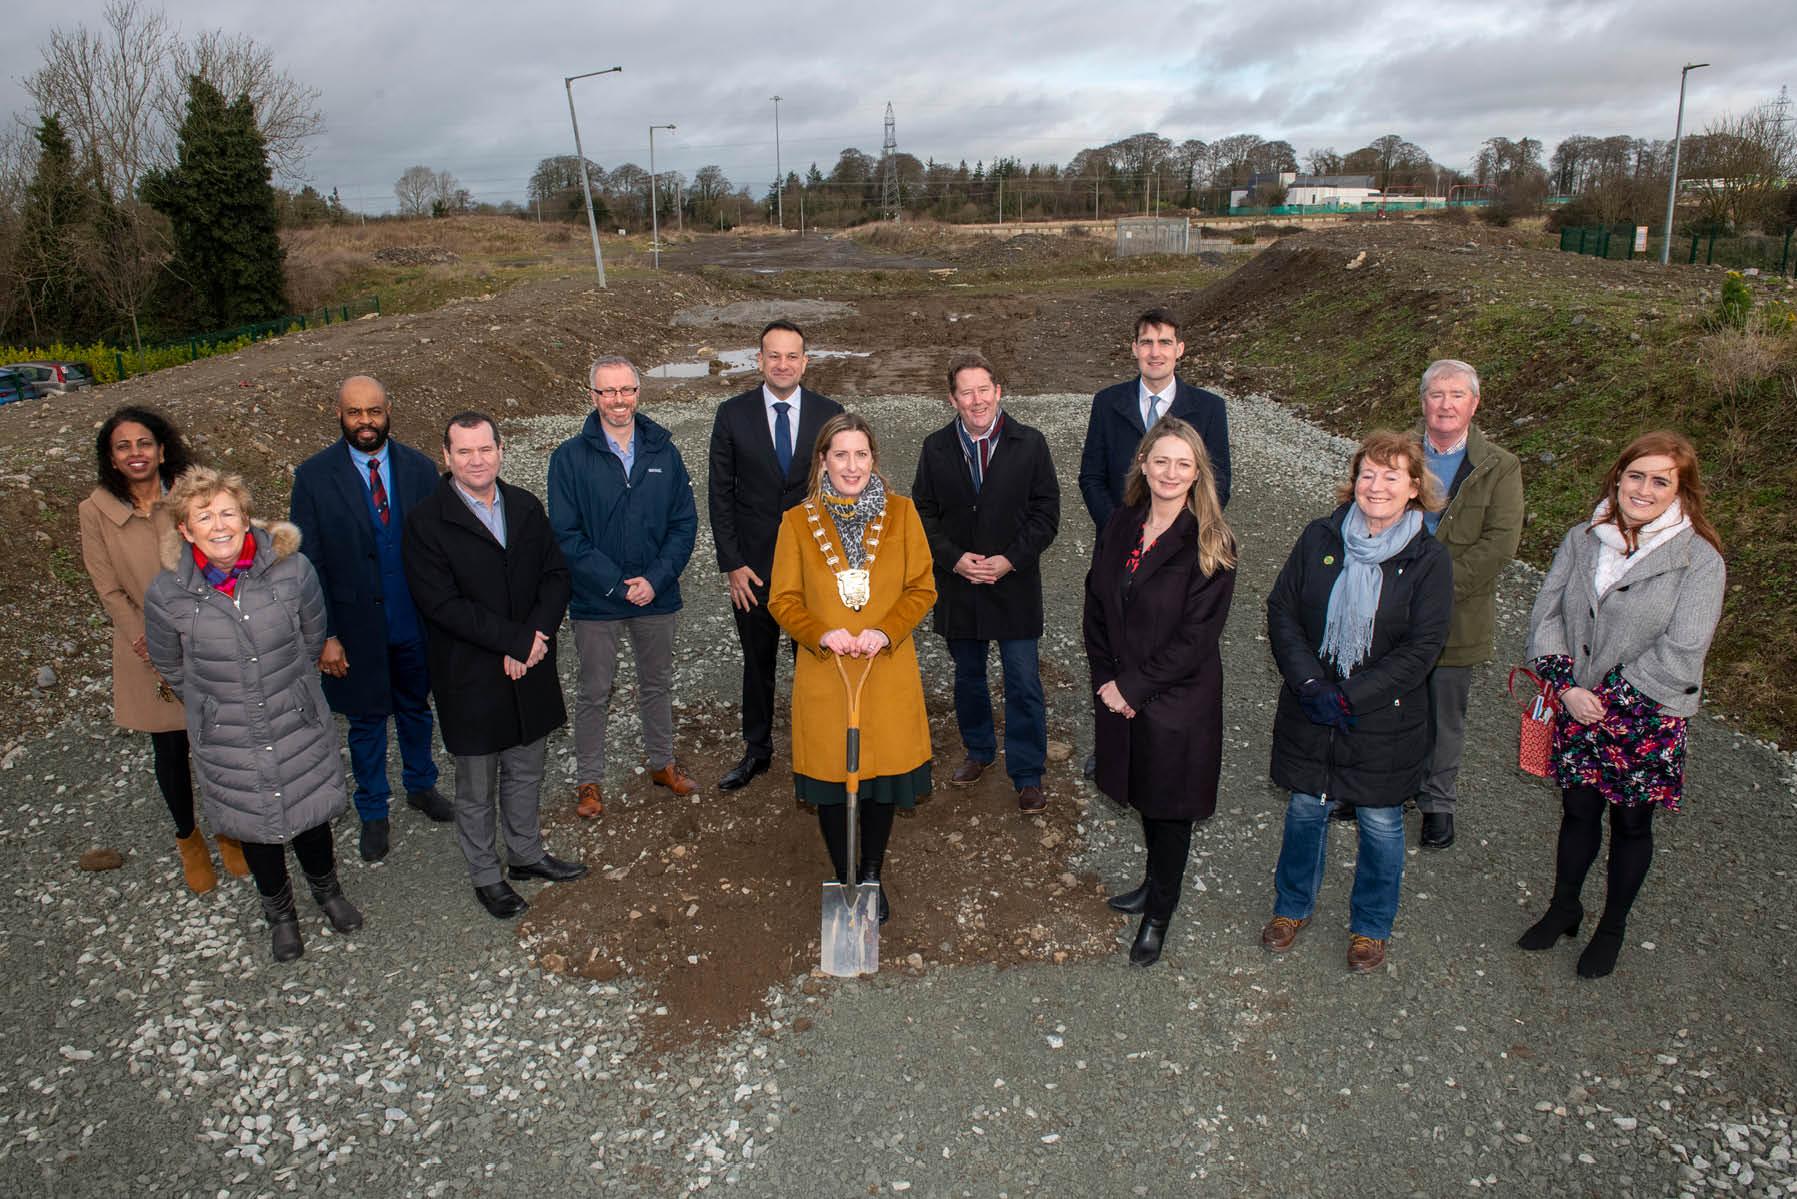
105,361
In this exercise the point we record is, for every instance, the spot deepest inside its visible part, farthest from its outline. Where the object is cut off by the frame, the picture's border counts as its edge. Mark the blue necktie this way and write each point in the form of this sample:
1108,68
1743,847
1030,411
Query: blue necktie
783,436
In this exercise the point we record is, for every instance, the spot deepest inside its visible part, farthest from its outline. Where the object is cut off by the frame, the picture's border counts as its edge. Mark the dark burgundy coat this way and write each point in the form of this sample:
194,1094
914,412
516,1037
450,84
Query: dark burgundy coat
1156,634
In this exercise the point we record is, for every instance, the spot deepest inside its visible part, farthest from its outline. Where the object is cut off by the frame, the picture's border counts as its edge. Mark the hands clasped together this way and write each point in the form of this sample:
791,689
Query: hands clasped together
981,568
539,649
855,645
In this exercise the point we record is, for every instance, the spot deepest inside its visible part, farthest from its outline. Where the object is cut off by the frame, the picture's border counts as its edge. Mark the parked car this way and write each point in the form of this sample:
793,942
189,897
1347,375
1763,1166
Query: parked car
56,378
16,385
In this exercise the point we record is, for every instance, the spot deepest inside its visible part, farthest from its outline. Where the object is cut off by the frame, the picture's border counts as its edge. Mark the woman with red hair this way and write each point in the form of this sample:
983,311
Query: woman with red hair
1620,631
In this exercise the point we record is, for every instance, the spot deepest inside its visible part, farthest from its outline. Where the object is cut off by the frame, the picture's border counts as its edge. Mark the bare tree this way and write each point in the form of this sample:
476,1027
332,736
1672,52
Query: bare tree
286,110
1324,161
415,190
1739,169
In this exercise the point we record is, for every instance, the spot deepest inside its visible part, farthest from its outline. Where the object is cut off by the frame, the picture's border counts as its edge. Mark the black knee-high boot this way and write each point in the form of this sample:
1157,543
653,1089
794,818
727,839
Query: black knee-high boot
876,832
1631,853
1581,836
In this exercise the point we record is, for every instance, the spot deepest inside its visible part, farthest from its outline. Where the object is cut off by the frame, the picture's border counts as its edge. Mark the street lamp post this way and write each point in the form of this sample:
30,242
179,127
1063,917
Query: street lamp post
1678,131
586,190
779,175
654,219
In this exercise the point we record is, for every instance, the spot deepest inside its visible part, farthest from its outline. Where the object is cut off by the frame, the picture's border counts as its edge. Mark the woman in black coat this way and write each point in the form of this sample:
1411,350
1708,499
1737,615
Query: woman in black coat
1156,599
1356,619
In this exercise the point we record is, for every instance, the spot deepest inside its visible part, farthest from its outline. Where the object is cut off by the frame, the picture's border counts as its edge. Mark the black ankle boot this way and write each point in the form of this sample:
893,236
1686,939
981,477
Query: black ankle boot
1149,936
1561,920
327,893
283,924
871,874
1599,958
1133,903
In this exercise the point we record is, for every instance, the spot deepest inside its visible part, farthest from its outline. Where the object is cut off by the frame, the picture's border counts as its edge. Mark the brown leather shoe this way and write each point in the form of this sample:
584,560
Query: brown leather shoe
1031,799
1365,955
674,779
589,804
968,772
1280,932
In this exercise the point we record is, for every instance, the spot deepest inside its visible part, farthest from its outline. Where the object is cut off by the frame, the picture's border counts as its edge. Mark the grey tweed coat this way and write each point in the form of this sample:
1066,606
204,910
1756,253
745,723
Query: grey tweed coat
1656,622
264,747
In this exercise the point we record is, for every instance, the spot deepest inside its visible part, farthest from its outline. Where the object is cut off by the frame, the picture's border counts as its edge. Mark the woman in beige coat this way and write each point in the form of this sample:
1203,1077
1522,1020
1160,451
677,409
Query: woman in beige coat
139,454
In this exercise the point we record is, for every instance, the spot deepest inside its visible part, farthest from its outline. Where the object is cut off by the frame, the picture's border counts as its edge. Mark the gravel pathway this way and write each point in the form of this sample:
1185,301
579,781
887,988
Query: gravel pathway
153,1049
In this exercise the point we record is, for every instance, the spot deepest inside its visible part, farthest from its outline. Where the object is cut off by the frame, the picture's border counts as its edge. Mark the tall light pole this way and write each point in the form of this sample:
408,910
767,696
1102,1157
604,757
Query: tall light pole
1678,131
586,190
779,175
654,219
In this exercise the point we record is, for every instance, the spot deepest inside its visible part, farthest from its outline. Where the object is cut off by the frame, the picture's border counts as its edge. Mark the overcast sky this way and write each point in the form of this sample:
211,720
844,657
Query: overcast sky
476,88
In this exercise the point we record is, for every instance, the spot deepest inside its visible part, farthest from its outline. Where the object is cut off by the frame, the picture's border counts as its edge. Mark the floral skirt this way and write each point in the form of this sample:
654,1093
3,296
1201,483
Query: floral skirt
1634,755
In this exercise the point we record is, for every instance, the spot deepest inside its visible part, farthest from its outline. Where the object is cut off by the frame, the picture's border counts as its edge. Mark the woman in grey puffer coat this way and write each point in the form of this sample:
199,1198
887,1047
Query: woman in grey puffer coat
235,624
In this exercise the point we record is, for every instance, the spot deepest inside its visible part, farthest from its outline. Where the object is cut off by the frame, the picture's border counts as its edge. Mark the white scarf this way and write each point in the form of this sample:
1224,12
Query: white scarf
1613,558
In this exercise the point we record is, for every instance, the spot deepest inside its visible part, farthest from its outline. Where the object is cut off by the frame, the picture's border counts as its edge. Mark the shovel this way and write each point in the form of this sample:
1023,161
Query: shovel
851,922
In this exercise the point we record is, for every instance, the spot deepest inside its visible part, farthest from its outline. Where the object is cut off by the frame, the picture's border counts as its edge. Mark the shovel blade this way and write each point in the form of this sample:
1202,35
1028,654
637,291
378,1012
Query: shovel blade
850,934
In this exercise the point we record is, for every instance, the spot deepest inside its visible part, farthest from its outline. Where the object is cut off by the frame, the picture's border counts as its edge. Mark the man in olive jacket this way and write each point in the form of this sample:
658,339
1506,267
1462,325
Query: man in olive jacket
987,496
1481,526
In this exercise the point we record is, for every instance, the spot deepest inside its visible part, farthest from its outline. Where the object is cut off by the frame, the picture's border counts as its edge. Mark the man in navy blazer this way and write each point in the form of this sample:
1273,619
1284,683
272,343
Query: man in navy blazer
1122,415
761,450
350,502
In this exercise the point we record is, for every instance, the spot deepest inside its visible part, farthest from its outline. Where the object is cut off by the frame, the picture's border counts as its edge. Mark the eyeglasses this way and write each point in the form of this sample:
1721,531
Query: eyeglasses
613,393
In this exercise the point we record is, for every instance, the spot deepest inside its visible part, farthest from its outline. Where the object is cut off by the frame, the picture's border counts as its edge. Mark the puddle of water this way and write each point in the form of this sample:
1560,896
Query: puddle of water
736,362
680,370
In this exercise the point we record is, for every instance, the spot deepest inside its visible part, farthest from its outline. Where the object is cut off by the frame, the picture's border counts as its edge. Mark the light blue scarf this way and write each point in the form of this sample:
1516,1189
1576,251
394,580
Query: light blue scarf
1354,600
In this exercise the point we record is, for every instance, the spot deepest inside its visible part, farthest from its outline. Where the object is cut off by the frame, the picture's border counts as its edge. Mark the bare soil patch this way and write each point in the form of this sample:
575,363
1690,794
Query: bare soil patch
711,902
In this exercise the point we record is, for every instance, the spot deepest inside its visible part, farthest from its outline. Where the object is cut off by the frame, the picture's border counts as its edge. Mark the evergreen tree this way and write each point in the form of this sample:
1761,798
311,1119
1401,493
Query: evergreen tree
223,210
58,205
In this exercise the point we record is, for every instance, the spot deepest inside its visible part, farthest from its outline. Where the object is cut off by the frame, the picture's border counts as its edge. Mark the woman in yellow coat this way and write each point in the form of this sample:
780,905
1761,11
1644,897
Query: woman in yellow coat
852,577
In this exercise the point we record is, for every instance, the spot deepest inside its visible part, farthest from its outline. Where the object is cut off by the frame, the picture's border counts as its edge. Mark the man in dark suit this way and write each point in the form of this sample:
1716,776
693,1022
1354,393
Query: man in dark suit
350,502
986,493
492,586
1121,416
761,445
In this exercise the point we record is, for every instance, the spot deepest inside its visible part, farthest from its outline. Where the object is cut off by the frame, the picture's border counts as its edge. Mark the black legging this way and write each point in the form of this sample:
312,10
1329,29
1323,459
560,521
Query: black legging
174,777
1169,844
268,863
1581,836
875,821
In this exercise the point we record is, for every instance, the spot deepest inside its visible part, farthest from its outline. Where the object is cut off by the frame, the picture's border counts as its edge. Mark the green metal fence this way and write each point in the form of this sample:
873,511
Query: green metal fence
1772,255
201,345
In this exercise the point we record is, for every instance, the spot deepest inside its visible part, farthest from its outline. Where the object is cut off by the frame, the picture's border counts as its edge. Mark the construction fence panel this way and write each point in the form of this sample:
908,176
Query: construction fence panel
1154,235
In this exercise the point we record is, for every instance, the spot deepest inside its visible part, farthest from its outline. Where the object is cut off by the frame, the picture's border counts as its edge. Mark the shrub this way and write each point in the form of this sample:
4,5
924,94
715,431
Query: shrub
1736,301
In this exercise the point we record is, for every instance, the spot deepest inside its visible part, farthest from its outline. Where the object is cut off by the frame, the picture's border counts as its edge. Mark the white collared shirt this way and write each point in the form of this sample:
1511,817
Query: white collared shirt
768,400
491,516
1143,395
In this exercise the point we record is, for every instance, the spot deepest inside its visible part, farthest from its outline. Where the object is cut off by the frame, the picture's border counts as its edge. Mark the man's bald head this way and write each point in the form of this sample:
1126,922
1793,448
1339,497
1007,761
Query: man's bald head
362,411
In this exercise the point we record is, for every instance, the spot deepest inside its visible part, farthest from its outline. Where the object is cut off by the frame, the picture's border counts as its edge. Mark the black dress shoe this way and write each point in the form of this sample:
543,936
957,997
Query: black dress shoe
1149,936
1133,903
1438,830
550,869
743,771
374,840
430,801
1090,769
500,900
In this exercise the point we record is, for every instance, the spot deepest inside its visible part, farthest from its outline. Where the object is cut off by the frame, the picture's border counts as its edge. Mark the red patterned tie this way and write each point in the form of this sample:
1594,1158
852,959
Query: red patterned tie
376,490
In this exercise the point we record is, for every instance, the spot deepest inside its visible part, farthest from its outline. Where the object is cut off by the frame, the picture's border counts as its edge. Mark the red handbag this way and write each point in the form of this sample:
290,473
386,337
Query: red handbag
1535,744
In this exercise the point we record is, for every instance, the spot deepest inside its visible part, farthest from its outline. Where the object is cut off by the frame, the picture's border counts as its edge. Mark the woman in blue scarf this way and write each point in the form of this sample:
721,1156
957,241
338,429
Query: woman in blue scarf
1356,619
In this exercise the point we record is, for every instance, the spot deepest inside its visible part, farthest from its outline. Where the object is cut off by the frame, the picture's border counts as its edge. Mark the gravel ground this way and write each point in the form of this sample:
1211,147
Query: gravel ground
155,1050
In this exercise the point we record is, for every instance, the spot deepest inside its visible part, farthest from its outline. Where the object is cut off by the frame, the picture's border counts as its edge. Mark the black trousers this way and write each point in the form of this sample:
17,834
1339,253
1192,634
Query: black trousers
268,863
759,635
174,777
1169,845
875,829
1581,836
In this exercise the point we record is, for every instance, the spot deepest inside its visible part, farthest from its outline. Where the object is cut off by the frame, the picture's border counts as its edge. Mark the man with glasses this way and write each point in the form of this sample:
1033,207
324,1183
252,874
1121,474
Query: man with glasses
621,504
986,493
761,451
350,502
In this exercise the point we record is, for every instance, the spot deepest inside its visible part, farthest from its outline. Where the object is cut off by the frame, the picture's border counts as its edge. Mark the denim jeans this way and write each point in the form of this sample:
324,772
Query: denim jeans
1378,874
1026,722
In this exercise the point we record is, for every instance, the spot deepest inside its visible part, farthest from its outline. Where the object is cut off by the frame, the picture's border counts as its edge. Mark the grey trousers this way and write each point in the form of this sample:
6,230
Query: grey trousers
1449,687
652,645
516,777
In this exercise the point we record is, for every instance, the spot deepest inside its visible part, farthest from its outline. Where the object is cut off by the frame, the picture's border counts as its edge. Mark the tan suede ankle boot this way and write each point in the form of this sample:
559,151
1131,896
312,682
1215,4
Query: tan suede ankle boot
230,856
196,862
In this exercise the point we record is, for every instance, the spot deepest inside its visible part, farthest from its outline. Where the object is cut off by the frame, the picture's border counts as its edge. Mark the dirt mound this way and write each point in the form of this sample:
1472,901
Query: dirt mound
414,255
711,902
